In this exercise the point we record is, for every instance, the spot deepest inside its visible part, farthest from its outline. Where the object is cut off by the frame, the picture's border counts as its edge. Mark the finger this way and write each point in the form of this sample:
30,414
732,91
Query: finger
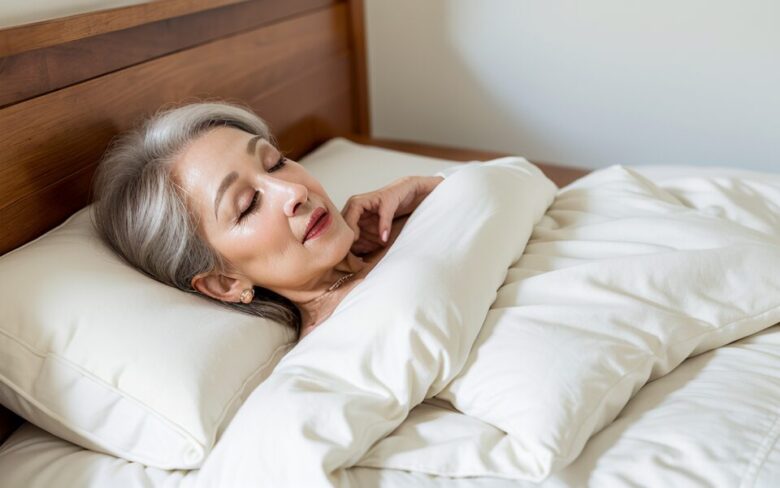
368,245
368,224
368,241
386,214
360,207
369,230
363,247
372,240
368,218
352,214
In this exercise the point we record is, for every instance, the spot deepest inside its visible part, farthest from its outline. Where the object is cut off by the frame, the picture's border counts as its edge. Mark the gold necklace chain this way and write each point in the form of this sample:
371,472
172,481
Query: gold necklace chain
332,287
340,281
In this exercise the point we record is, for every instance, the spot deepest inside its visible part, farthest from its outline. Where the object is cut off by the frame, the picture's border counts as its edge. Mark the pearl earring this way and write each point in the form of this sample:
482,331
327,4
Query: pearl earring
247,295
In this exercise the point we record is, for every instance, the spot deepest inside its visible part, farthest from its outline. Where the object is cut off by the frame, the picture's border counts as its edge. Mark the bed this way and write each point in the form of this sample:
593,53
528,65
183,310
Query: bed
69,85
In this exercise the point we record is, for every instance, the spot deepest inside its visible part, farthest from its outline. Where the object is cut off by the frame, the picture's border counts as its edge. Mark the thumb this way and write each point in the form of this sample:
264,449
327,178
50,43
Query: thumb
352,215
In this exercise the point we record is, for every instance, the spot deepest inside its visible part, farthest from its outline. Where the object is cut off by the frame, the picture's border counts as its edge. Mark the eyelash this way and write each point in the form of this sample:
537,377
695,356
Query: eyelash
253,204
282,161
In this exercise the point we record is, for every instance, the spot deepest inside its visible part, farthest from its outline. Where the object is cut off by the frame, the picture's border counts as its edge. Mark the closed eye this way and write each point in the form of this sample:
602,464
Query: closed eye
251,208
253,204
281,162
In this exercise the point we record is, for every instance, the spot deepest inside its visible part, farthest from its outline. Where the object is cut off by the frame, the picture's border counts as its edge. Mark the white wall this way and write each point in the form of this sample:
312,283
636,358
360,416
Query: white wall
17,12
589,83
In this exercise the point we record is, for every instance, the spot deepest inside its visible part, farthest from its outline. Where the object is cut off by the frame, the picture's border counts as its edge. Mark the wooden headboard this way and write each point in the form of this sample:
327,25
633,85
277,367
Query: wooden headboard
68,86
295,62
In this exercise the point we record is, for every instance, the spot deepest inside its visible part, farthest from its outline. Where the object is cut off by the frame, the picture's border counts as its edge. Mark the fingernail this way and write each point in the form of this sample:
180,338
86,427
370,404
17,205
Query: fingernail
384,236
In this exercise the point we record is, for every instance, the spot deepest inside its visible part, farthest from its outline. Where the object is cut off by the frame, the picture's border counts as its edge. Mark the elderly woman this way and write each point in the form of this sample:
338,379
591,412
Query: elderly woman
200,198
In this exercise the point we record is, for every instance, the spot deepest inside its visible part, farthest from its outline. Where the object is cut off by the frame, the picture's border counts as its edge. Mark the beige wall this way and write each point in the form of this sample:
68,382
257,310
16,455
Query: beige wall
588,83
16,12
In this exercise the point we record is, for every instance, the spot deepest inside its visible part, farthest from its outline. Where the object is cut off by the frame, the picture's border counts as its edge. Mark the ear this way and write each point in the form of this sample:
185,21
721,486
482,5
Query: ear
222,287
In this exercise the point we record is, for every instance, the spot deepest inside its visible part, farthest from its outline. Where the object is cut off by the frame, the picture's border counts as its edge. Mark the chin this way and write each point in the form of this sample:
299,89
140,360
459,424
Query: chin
343,241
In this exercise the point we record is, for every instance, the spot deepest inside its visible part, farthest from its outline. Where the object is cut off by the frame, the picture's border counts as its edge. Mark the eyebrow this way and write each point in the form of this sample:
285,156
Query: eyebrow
250,146
232,176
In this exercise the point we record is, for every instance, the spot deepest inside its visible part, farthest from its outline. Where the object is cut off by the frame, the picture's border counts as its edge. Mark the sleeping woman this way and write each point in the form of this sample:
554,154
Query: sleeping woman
199,198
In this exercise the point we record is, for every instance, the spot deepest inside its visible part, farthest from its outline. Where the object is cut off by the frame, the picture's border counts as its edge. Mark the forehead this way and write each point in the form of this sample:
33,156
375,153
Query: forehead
211,156
213,147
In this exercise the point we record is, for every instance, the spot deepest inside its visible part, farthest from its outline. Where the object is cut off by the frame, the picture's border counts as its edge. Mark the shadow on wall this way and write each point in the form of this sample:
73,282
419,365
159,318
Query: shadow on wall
613,83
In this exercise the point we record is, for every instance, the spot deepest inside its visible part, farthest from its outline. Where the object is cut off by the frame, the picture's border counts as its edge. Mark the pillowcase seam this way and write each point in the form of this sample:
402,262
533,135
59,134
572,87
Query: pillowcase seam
176,427
221,418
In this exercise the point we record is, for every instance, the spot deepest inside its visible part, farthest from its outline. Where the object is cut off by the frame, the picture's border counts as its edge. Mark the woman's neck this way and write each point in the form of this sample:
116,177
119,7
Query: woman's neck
325,294
319,307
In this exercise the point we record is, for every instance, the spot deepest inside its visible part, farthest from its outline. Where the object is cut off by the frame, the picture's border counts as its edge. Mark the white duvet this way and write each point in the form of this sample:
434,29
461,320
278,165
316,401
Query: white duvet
619,285
541,342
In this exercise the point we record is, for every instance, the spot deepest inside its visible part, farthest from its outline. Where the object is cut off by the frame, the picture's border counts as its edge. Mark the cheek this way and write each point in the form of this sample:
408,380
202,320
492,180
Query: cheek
262,239
271,255
269,248
246,243
267,260
345,233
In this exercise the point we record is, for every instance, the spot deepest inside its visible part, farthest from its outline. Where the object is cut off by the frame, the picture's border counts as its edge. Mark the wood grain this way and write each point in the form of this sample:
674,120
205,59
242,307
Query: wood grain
560,174
360,67
37,72
287,72
27,37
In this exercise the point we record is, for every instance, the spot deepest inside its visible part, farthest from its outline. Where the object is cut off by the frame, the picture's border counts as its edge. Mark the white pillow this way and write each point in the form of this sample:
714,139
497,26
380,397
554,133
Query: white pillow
100,355
103,356
345,168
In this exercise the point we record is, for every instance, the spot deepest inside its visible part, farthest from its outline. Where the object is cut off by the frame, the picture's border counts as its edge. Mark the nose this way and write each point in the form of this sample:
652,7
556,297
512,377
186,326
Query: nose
291,194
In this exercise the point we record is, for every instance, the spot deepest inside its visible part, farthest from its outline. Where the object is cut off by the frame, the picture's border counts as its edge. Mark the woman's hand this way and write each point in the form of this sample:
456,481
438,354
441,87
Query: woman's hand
370,215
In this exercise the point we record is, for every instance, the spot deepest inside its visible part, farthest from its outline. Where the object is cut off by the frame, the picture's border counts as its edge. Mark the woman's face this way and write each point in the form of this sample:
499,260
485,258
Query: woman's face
253,207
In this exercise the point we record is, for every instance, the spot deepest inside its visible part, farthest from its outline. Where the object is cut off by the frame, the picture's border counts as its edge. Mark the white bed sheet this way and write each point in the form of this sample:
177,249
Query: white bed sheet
669,435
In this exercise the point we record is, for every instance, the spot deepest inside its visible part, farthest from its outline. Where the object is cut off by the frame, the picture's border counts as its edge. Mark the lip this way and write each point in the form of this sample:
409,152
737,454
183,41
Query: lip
318,213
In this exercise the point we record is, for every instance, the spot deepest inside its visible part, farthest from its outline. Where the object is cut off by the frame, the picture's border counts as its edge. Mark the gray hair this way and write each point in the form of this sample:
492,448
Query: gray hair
141,213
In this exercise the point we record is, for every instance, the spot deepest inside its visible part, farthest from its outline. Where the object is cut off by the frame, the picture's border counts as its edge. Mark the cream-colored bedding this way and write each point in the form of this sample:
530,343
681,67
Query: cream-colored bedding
712,421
